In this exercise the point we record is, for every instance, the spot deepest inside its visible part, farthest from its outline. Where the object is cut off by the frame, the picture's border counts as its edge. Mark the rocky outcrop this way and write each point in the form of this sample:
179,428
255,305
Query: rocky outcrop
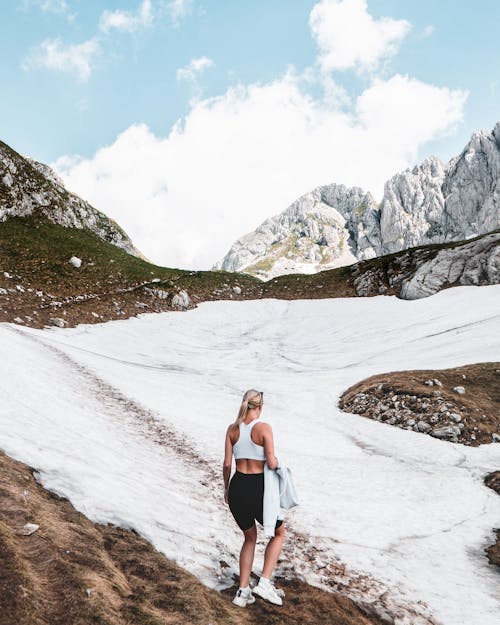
330,227
413,400
412,207
435,203
28,187
475,263
333,226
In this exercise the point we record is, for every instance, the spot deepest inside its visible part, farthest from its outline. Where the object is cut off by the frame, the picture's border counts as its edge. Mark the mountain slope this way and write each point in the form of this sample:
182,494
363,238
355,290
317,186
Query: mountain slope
334,226
30,188
75,572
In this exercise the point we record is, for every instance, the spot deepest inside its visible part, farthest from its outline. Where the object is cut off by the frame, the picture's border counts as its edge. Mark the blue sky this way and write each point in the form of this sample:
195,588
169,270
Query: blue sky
78,74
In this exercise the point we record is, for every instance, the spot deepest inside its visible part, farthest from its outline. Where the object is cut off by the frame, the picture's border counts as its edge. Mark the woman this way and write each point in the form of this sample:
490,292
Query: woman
251,442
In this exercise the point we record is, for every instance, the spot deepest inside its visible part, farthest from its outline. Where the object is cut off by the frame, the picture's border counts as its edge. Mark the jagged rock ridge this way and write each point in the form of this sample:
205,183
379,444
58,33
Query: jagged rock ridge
334,225
28,187
329,227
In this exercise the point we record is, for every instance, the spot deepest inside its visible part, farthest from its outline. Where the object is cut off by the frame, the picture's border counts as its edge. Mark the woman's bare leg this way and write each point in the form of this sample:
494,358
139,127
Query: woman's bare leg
273,551
246,555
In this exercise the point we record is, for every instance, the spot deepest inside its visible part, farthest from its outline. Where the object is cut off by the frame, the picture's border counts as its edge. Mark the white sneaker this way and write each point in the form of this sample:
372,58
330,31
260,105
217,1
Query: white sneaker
267,591
243,597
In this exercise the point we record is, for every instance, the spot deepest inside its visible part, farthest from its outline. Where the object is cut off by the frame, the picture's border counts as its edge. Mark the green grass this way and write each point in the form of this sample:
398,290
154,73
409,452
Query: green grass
35,247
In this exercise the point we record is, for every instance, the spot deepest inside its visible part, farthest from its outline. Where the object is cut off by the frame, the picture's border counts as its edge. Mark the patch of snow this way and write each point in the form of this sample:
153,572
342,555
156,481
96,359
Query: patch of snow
133,434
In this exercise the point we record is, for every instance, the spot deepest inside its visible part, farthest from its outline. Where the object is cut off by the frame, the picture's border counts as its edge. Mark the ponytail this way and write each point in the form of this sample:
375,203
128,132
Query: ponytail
251,399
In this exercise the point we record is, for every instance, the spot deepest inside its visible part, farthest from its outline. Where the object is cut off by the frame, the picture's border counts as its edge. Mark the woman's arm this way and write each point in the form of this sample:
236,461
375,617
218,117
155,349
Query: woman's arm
228,462
267,435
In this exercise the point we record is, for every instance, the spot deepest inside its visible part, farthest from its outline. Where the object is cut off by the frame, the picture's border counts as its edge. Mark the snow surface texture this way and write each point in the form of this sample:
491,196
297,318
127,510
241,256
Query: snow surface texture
127,419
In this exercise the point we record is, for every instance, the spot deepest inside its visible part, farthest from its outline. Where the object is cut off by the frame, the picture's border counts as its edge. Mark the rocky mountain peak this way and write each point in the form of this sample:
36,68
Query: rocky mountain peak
327,227
433,202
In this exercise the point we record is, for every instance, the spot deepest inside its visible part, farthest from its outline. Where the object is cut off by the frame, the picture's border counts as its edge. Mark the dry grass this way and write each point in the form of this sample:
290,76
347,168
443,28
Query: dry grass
74,572
479,407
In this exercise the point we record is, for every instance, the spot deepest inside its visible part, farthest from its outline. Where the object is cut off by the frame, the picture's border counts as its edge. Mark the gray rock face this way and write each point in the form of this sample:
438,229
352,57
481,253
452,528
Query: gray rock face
412,207
475,263
334,225
436,203
181,300
28,187
329,227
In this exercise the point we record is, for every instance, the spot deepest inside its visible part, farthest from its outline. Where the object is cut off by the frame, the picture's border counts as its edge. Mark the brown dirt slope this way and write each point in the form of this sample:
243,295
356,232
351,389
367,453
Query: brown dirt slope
493,481
74,572
425,401
38,283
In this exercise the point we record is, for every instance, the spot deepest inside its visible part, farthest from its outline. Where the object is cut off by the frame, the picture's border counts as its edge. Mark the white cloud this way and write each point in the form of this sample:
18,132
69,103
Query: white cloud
428,30
238,158
127,21
243,156
349,37
76,59
178,9
59,7
190,71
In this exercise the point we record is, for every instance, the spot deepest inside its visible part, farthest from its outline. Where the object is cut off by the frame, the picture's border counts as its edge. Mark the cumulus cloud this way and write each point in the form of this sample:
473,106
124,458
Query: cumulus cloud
127,21
239,158
349,37
245,155
76,59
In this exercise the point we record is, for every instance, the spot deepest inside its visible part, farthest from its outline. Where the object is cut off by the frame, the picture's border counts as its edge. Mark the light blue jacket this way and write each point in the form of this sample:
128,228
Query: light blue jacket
279,492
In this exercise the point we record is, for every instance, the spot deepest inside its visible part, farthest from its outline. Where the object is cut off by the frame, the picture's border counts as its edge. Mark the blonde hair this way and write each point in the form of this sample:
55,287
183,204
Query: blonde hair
251,399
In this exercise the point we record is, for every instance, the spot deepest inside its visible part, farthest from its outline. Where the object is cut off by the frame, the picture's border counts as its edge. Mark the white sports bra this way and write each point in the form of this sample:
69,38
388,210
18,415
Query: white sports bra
245,447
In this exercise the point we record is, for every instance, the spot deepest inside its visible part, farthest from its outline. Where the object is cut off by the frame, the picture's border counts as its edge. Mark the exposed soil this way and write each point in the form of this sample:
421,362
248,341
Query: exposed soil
493,481
425,401
74,572
40,287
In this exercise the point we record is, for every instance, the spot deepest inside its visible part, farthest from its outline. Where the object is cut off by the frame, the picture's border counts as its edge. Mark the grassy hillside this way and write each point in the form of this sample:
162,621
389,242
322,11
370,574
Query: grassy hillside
110,284
38,283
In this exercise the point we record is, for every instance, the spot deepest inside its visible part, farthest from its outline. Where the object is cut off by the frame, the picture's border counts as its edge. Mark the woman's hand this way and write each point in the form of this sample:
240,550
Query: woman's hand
225,495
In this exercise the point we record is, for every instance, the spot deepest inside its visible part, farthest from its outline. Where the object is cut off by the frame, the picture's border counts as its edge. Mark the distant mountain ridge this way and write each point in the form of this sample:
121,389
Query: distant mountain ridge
28,187
334,225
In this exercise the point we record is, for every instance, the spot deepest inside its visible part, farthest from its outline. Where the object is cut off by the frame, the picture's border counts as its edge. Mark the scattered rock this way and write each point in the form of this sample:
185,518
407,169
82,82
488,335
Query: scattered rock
75,261
459,389
423,426
181,300
237,290
30,528
448,432
57,321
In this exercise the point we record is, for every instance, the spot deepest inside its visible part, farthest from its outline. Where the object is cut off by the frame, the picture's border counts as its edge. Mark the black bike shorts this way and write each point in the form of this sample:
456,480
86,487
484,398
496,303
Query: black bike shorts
246,497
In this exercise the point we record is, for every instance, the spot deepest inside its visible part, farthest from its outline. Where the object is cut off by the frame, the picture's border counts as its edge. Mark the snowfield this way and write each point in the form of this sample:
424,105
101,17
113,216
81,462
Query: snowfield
127,420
